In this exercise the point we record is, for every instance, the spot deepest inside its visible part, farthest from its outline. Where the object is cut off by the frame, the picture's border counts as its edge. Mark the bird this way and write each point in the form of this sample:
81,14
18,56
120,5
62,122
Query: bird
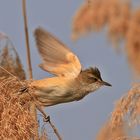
70,82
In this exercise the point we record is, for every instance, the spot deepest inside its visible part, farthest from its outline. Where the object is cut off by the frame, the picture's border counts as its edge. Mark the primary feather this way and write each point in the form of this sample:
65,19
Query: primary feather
57,58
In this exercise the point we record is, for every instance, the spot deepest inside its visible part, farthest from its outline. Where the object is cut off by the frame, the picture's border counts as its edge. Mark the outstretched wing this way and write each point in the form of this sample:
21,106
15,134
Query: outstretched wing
57,58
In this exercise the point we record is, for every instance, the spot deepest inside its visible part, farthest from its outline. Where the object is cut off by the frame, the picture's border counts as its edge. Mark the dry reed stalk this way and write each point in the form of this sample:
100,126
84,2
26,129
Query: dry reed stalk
10,66
55,130
46,119
27,39
16,119
32,107
43,134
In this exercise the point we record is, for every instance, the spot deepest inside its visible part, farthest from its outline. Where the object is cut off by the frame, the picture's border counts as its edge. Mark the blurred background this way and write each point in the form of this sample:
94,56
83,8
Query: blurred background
80,120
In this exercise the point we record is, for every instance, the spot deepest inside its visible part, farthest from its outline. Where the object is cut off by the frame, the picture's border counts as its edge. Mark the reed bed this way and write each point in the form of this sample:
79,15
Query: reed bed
16,122
16,97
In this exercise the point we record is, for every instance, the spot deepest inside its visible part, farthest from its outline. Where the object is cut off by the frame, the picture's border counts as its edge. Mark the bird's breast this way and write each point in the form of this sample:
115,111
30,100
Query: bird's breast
53,91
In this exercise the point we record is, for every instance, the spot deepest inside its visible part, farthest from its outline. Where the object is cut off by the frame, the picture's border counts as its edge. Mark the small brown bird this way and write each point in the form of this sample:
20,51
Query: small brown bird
71,82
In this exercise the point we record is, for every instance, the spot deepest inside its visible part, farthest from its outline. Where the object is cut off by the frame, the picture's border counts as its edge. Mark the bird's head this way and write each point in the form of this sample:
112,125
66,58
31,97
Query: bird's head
92,78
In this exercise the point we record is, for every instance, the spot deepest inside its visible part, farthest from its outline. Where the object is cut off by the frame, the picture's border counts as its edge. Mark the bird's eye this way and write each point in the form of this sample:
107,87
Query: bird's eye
93,79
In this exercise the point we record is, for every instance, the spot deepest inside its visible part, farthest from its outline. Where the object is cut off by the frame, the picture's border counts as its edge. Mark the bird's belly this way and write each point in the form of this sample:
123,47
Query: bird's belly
53,96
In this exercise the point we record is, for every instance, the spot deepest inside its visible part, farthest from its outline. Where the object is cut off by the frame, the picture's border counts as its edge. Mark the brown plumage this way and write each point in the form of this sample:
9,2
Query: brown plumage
71,83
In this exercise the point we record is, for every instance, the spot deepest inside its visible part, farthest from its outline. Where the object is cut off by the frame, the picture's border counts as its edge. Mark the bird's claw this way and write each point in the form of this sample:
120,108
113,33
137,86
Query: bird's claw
46,119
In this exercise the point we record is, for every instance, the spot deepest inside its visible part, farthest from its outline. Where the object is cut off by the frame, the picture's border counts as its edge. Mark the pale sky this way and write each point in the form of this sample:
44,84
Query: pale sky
78,120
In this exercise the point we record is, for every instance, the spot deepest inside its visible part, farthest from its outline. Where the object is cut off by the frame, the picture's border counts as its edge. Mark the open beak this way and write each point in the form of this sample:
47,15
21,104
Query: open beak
106,84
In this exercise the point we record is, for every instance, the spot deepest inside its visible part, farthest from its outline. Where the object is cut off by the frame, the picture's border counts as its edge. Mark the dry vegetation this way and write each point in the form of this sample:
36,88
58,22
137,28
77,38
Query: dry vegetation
9,59
124,118
121,20
133,41
106,133
16,123
128,107
122,23
16,120
93,15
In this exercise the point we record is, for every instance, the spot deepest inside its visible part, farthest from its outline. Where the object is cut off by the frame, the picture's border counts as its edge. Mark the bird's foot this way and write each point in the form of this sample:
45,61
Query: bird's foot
46,119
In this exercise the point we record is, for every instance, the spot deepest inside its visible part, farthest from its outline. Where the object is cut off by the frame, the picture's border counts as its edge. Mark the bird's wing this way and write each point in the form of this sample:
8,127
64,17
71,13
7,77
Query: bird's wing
57,58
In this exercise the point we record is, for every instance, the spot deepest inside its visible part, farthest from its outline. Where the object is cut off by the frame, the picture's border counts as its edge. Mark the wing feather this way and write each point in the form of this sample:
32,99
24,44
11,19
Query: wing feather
57,58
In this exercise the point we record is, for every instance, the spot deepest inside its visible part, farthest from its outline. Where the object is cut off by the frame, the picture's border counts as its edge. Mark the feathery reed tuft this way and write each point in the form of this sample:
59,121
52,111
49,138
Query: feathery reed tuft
9,59
133,41
127,108
122,22
106,132
94,15
125,116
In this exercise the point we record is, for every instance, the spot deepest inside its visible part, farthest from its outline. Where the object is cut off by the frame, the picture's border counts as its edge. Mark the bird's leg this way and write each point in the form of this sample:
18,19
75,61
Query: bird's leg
45,117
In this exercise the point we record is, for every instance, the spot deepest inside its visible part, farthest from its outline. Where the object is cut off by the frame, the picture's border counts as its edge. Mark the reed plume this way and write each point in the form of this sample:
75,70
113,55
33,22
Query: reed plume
128,107
9,59
124,117
121,20
94,15
106,132
133,42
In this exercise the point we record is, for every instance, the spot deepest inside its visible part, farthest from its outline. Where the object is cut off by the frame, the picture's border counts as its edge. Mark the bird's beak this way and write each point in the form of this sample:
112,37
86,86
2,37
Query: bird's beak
106,83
